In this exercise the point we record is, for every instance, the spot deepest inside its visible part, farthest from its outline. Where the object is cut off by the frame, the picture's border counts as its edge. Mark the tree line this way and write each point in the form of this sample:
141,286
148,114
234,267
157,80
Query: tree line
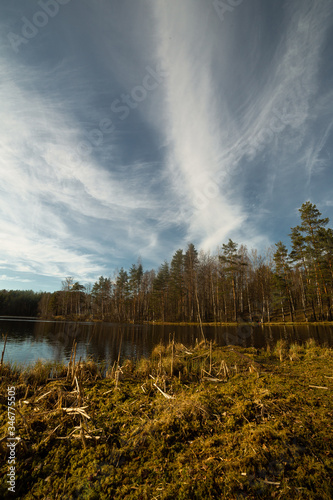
19,303
233,285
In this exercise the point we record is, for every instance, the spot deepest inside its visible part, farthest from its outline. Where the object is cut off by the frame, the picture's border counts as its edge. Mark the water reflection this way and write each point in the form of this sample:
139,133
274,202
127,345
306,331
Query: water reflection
31,340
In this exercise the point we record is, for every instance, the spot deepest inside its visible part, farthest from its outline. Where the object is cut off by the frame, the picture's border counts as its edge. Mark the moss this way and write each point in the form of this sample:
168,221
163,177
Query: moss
224,431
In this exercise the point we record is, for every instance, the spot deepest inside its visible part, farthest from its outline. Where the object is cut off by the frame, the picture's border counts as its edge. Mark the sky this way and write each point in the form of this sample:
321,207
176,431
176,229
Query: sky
130,128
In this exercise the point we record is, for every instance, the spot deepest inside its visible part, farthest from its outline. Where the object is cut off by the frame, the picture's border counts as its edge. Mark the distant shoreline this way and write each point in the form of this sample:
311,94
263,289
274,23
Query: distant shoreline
170,323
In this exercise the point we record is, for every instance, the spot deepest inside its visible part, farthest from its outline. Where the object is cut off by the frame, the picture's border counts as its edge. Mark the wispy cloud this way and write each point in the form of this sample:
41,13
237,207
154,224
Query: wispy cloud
217,138
4,277
235,137
45,193
195,134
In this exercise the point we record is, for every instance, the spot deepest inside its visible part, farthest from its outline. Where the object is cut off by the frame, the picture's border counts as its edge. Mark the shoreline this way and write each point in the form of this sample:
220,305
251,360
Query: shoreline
174,323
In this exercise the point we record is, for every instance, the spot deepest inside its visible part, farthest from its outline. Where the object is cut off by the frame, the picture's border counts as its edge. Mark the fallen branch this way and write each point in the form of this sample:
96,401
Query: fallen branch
318,387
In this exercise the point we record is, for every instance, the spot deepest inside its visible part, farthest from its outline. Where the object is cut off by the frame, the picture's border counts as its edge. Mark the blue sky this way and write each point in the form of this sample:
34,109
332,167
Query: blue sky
131,128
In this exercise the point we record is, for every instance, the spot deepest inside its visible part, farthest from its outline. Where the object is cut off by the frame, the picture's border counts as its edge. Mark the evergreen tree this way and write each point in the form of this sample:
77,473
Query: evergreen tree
101,293
134,287
121,295
190,280
283,278
307,245
231,264
161,291
177,290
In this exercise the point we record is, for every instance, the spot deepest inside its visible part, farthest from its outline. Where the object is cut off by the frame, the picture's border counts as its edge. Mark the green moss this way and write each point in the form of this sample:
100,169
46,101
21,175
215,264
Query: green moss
226,432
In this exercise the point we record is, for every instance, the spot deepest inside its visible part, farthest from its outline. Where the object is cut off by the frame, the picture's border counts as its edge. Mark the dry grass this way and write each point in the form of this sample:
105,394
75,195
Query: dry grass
198,422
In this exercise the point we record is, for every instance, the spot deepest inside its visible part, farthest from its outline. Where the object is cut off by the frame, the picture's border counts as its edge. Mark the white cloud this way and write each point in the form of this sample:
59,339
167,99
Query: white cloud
4,277
213,153
209,141
47,190
195,134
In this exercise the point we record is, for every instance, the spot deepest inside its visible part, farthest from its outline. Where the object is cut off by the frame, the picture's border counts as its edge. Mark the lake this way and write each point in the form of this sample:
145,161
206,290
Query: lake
31,339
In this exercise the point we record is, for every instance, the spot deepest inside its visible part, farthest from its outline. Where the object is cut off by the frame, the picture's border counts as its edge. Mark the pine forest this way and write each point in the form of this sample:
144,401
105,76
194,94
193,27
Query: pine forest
233,285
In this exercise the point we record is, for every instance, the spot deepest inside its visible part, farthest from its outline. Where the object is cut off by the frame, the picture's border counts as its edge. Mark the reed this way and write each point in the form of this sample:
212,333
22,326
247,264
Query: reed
3,353
281,350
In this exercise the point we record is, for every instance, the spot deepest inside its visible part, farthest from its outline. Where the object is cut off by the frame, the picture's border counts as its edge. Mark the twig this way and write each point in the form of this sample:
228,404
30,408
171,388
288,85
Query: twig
172,355
80,411
271,482
164,393
70,362
50,434
107,392
43,396
74,356
211,379
318,387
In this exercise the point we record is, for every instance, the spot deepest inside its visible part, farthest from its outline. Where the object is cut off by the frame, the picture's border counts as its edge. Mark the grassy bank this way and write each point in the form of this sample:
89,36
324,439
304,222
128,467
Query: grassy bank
187,423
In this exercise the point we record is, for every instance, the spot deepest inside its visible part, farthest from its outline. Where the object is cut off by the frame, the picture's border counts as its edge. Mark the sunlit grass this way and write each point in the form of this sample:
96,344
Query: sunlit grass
187,422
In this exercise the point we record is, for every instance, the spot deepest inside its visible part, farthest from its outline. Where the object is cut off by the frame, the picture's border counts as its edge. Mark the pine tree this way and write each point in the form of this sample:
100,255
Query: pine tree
307,246
232,262
161,291
101,292
177,289
283,278
121,295
190,280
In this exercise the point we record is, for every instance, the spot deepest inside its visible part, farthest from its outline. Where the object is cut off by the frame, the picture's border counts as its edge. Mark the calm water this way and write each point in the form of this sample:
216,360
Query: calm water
29,340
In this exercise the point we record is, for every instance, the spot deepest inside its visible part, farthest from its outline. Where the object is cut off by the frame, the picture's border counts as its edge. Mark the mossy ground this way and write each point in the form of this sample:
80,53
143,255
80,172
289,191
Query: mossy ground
187,423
